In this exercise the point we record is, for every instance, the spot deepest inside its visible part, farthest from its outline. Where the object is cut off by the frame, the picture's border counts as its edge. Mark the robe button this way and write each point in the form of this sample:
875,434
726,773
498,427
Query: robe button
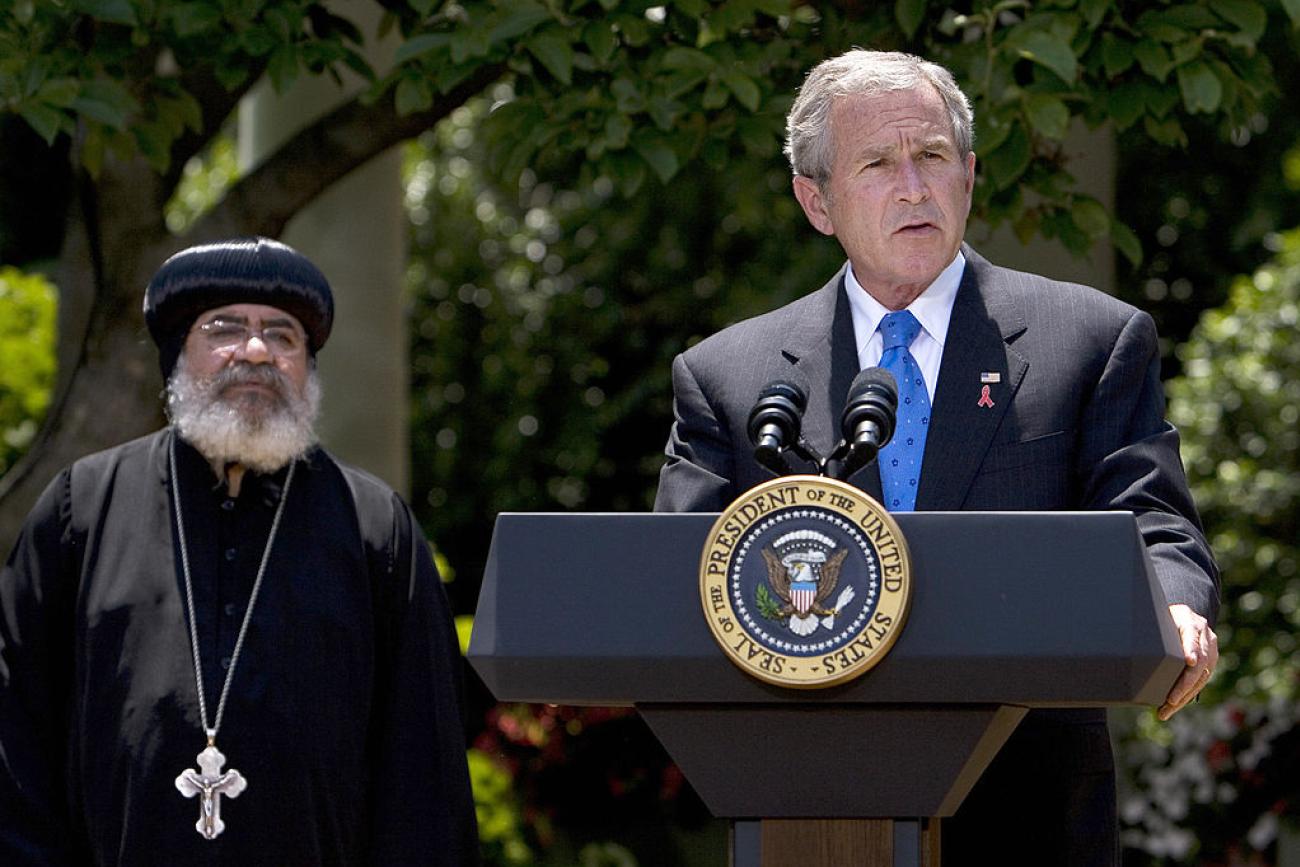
231,554
225,663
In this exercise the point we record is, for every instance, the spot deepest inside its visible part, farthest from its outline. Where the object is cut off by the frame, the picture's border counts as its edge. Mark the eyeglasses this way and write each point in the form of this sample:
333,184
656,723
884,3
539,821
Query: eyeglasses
227,335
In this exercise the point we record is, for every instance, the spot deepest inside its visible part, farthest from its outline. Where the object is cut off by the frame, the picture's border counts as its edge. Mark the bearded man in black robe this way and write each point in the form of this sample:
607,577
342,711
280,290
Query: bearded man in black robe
218,643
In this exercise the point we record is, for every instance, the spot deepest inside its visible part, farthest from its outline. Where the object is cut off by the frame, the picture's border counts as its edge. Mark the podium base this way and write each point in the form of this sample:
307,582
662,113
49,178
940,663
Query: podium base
835,842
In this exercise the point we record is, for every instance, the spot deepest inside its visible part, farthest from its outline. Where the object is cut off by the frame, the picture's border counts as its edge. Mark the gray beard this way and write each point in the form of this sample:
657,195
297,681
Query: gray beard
260,432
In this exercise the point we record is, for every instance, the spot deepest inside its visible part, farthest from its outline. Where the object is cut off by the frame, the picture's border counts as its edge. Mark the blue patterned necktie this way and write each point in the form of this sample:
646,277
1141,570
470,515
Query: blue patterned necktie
900,461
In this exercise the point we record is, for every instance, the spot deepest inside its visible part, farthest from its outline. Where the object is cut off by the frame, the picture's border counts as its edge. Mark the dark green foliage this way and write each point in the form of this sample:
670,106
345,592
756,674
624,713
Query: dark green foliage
1238,405
546,318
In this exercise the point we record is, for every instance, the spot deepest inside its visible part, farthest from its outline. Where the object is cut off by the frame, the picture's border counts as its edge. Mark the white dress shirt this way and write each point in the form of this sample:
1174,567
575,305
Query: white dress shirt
932,308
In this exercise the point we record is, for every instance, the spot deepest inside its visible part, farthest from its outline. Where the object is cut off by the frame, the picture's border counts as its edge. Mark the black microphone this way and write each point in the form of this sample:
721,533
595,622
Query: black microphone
869,416
774,423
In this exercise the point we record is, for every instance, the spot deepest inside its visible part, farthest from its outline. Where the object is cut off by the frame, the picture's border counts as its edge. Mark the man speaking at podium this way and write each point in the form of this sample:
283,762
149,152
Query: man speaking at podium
1016,392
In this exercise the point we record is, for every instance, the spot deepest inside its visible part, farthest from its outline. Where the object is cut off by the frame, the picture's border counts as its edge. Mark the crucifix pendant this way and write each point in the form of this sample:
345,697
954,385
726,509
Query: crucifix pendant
209,783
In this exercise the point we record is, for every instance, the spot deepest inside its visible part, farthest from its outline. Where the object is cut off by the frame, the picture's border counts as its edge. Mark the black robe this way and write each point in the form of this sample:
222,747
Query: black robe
343,714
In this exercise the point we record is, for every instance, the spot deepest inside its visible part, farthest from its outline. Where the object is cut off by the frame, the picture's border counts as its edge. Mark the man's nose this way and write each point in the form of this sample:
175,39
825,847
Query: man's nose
912,188
254,350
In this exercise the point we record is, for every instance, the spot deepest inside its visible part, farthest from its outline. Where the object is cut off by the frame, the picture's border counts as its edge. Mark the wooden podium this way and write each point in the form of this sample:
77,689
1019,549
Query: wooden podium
1010,611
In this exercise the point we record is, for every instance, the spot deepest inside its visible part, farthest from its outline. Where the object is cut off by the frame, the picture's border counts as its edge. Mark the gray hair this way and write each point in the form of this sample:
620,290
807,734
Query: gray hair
808,141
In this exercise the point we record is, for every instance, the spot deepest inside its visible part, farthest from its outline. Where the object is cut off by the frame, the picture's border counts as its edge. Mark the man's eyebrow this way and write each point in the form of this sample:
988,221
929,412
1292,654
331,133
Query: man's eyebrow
937,143
233,318
873,150
239,319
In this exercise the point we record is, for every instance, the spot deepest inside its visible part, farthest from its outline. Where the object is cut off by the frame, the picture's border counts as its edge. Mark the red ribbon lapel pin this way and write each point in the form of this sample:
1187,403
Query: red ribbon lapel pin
988,378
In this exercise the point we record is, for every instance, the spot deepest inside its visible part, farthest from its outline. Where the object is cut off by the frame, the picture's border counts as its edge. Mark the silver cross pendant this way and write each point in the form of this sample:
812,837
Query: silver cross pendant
210,784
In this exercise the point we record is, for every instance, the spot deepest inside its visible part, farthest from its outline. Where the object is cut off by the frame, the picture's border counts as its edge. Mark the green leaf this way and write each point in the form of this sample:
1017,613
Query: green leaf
617,130
470,43
679,57
112,11
107,102
1292,8
600,38
634,28
1126,104
1160,100
1026,225
1006,164
758,137
1184,52
683,81
664,112
654,149
283,68
154,143
1126,242
1052,52
1116,54
418,45
45,120
627,170
1201,88
448,76
1048,115
1187,16
627,96
1094,10
413,95
909,14
522,16
555,54
1090,216
743,87
1167,132
991,130
715,95
1248,16
58,92
189,110
1154,59
231,75
189,19
257,41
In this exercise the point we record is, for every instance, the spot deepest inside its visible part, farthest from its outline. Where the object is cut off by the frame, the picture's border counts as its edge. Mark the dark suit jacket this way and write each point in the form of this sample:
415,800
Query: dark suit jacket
1077,422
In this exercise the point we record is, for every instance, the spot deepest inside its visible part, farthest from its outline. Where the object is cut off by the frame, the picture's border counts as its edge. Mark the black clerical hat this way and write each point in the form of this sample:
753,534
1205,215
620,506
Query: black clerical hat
238,271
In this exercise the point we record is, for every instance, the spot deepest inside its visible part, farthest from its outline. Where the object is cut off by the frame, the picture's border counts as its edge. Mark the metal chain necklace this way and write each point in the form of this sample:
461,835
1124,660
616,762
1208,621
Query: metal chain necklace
210,783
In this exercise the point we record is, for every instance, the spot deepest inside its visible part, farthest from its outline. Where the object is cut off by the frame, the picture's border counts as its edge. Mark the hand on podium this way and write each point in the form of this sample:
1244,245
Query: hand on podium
1200,652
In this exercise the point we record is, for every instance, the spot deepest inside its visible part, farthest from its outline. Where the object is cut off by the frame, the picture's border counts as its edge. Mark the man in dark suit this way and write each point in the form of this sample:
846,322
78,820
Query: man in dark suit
1016,393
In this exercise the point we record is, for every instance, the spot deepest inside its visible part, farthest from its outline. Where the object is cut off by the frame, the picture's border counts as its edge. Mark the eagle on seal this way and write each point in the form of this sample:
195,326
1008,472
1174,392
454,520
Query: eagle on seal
804,595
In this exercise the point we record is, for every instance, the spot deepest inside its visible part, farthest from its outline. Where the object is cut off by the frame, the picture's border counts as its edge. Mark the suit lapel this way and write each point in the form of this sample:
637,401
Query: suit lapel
826,360
984,321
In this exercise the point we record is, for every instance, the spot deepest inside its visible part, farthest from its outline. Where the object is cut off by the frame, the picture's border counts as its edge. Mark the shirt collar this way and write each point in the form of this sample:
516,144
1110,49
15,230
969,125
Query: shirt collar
932,308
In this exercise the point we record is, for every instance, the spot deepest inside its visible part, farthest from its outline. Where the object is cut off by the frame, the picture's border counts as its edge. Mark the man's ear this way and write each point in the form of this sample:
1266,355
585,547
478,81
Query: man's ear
814,203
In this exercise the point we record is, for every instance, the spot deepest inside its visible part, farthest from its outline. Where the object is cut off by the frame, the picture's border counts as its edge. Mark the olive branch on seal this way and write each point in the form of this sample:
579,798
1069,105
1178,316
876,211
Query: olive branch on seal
767,606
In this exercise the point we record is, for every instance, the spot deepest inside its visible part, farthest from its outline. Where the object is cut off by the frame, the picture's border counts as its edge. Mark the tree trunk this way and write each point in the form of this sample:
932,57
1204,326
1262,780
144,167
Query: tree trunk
115,240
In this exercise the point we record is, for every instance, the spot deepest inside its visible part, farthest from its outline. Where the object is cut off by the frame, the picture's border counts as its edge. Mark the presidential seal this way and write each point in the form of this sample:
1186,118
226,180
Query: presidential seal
805,582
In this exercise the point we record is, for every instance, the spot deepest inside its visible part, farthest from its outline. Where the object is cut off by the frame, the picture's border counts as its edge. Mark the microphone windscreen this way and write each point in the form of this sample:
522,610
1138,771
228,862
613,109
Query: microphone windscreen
874,378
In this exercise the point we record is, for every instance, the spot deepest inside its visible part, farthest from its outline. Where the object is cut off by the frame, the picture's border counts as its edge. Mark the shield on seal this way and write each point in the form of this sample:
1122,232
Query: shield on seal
802,595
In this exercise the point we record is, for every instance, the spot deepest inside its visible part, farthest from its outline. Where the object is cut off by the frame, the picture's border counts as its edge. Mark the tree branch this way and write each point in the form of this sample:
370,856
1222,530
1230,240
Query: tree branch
321,154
